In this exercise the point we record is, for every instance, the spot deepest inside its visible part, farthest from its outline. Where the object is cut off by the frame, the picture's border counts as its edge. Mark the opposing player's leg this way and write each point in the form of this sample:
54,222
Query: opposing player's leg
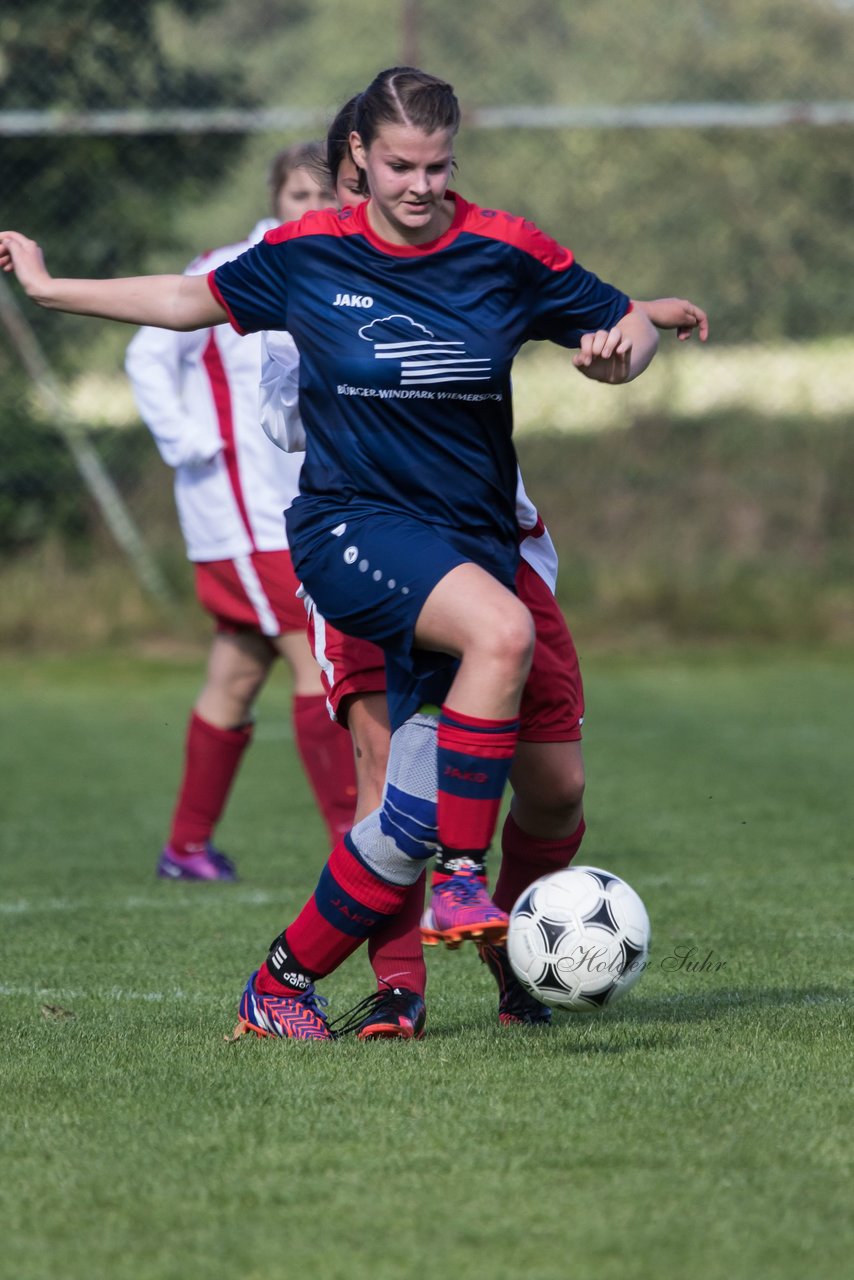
545,826
352,675
367,720
472,616
218,732
324,747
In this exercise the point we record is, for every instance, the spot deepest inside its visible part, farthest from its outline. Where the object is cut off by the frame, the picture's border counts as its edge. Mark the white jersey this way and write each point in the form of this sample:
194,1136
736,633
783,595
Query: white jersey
281,420
535,544
198,395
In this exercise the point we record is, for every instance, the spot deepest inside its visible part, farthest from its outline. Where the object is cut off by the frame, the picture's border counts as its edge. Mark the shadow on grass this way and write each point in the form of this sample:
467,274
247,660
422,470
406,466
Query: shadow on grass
704,1007
651,1025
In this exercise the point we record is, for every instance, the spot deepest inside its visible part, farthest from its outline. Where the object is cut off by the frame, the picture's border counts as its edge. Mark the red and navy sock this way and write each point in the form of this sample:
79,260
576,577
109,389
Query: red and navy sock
211,760
350,903
395,952
326,751
525,858
474,758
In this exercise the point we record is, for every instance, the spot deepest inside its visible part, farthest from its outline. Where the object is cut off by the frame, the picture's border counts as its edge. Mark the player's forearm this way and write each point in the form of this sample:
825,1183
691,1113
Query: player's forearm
644,342
169,302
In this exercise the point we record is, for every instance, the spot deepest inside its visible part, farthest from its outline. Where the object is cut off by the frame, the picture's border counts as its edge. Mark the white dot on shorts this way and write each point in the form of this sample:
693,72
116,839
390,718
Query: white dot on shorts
363,564
391,584
404,591
377,574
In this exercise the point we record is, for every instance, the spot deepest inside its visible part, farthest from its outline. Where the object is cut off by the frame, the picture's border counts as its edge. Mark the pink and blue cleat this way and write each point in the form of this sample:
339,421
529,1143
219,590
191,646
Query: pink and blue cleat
297,1017
460,910
207,864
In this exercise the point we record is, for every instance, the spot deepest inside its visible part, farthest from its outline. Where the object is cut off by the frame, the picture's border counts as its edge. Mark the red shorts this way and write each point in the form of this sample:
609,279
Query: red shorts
553,699
257,591
347,665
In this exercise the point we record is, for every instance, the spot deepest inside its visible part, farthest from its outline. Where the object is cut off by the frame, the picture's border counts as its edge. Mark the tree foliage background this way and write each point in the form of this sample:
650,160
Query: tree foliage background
756,222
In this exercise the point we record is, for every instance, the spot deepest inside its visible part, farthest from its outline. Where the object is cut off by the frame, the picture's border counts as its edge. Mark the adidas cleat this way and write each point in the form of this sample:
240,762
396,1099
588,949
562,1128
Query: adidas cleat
297,1017
399,1014
515,1004
460,910
207,864
395,1013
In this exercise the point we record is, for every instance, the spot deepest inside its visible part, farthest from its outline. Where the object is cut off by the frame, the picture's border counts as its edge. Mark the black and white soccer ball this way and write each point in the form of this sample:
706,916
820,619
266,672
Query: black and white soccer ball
578,938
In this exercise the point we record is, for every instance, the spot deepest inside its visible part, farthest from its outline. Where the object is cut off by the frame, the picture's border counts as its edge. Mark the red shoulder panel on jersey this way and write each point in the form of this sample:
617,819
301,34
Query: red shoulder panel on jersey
317,222
519,232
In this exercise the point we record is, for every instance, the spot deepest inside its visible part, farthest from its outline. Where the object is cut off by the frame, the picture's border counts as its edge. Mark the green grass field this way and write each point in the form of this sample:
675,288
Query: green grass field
698,1129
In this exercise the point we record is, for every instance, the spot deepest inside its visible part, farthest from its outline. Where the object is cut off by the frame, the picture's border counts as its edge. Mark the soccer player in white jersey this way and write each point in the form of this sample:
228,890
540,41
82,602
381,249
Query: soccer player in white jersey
198,394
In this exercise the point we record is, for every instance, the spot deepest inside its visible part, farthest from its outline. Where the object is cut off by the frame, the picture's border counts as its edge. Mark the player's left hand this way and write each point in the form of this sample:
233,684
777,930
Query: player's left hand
685,317
605,356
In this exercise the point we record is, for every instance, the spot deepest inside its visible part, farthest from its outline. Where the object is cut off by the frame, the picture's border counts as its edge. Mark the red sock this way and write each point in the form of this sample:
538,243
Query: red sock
211,760
348,905
395,952
474,758
326,751
525,858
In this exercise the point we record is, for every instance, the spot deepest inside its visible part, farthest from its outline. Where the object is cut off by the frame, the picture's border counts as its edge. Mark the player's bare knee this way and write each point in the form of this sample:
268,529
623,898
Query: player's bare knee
570,791
550,792
507,643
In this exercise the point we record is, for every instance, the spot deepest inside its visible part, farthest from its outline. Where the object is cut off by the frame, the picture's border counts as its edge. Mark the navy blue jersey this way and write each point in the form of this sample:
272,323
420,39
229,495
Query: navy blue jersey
406,352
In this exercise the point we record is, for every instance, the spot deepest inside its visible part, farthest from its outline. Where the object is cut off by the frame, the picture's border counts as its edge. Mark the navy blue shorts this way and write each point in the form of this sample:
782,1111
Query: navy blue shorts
369,571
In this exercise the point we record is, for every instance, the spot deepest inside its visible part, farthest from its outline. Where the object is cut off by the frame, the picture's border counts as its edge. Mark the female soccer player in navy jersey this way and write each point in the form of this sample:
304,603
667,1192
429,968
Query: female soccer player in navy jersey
545,826
407,313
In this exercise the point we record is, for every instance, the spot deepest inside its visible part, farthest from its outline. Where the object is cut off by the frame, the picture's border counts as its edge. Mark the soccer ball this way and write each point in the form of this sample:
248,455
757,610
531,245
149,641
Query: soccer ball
578,938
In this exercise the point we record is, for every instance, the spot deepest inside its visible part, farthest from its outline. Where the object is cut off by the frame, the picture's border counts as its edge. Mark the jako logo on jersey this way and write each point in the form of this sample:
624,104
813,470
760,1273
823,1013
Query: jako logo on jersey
353,300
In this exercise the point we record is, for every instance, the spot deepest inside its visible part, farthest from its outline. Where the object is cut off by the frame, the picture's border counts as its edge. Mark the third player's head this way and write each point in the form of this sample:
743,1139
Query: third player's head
402,142
297,181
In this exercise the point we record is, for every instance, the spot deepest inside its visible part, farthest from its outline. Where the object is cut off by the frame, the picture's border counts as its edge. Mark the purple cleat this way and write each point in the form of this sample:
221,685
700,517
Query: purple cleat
207,864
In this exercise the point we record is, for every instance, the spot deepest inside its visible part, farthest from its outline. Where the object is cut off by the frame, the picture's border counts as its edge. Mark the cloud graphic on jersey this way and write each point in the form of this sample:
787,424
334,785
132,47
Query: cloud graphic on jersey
424,359
404,328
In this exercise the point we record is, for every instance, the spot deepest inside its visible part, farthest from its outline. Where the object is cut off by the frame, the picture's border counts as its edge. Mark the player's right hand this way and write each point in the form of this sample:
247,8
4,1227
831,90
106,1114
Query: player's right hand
25,258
